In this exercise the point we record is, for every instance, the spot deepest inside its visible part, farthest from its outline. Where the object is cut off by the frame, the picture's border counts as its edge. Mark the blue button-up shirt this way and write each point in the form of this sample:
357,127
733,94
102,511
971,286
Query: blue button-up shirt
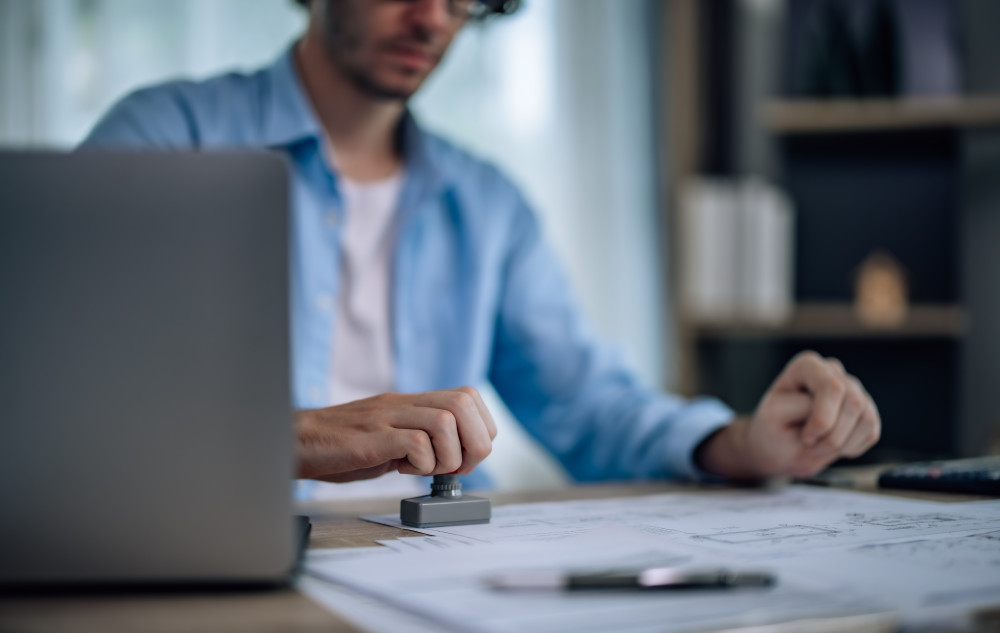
477,294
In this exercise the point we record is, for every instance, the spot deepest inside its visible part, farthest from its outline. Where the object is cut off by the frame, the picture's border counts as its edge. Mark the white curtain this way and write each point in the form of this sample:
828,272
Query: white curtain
558,95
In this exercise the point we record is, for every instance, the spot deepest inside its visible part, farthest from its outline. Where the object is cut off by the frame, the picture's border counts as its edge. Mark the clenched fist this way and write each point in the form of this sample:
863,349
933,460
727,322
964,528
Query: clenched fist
814,413
429,433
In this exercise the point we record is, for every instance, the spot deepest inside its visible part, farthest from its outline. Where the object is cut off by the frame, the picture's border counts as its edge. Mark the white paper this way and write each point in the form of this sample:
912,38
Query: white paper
926,561
449,587
426,543
835,553
937,577
363,611
748,523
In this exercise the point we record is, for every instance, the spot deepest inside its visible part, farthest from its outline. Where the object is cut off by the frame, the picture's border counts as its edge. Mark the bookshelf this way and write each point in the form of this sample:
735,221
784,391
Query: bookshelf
918,176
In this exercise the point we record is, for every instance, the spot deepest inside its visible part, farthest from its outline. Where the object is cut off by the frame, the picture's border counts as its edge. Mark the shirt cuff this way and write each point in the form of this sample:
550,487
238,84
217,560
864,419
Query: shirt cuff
702,418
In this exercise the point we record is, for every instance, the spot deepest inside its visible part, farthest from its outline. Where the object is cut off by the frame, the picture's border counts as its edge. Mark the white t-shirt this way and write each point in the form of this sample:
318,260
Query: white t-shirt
362,341
362,355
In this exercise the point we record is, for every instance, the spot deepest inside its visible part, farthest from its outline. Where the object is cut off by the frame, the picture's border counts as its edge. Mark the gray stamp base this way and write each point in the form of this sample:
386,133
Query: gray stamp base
428,511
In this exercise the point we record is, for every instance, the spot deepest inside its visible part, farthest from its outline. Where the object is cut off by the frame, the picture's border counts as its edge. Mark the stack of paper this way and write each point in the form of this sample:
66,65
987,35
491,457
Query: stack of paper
834,554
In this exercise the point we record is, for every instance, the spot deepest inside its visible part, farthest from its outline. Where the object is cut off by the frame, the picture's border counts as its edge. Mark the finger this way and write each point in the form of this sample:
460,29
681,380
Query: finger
362,473
853,406
473,435
810,467
811,373
785,409
793,376
484,412
441,426
802,372
419,454
865,434
813,461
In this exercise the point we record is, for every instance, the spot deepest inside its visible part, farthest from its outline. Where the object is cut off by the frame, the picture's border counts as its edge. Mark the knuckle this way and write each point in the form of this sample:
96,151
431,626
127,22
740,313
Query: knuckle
472,392
831,443
868,426
854,401
856,452
836,388
824,424
443,422
418,442
809,355
851,378
463,400
835,364
450,463
866,437
480,450
875,434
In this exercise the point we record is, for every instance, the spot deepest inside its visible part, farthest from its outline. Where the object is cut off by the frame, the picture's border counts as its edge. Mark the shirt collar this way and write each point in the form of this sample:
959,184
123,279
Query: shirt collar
420,157
287,116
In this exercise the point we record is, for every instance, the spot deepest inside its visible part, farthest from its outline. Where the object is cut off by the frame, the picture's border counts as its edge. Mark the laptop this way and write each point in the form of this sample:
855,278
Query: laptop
145,413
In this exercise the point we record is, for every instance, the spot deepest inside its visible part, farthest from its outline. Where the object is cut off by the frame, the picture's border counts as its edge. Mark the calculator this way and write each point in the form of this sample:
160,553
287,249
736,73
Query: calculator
977,475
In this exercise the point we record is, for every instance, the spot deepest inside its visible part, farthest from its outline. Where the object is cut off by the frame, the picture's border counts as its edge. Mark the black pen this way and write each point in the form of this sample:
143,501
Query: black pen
652,578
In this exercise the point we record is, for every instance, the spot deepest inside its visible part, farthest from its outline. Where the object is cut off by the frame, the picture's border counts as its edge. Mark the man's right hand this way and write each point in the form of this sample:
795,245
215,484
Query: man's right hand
416,434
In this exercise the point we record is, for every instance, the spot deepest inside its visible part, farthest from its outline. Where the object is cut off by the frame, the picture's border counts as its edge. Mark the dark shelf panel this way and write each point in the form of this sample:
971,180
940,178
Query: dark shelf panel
858,115
838,320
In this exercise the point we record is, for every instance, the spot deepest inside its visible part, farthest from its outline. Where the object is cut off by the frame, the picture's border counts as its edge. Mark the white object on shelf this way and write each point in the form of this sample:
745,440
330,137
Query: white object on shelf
766,264
708,250
737,252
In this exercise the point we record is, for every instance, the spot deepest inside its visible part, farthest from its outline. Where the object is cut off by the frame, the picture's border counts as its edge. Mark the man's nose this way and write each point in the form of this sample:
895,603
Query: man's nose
433,15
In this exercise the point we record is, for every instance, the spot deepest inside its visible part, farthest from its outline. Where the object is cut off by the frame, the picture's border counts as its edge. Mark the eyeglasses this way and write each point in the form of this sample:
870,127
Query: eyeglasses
480,9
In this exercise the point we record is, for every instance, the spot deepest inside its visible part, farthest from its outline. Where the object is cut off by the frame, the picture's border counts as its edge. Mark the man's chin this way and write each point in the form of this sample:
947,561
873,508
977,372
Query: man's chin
398,90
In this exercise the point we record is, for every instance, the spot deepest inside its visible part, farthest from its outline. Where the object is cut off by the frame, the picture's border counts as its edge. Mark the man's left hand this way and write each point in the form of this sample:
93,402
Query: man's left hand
813,413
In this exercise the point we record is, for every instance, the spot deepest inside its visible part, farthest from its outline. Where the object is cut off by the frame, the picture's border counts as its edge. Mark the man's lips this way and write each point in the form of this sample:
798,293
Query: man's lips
411,56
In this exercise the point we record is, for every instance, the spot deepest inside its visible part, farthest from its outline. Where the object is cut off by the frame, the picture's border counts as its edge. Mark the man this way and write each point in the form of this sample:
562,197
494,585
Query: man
417,269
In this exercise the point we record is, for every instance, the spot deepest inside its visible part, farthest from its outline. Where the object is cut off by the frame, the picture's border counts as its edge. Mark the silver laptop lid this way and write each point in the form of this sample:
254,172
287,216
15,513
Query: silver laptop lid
145,416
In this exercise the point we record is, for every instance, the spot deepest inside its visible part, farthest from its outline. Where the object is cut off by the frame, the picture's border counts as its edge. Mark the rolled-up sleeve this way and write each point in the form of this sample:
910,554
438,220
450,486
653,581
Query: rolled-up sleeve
573,392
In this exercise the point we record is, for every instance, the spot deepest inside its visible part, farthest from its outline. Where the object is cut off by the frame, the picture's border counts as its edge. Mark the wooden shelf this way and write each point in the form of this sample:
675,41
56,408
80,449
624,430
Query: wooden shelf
860,115
838,320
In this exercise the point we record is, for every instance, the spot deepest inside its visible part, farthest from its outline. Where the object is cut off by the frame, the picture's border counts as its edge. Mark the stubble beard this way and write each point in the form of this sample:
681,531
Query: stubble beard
365,82
340,41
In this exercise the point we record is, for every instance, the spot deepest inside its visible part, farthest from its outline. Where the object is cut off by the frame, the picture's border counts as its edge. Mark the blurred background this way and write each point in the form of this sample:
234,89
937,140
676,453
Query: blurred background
728,181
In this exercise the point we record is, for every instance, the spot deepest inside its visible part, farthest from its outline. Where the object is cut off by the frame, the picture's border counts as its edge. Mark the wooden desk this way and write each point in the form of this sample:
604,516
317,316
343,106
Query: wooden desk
335,524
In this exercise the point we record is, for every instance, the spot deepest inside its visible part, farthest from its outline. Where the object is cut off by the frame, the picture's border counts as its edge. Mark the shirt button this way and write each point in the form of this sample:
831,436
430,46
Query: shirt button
324,302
